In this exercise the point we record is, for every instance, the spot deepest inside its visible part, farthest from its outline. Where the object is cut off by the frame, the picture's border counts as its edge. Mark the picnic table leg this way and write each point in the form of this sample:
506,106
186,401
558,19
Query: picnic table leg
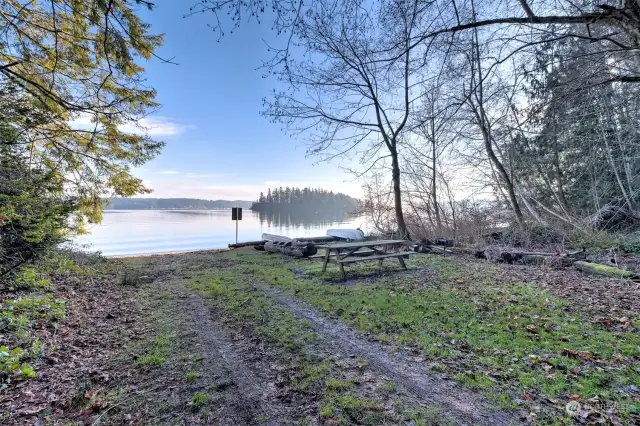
326,259
344,275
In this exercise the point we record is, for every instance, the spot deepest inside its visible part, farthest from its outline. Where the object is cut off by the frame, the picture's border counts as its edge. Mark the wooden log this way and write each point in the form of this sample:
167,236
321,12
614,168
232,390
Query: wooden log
423,248
248,243
272,237
531,259
496,253
604,270
291,249
280,238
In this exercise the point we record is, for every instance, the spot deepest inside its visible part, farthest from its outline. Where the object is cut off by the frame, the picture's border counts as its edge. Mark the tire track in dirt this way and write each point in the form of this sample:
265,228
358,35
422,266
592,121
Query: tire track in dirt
455,402
244,388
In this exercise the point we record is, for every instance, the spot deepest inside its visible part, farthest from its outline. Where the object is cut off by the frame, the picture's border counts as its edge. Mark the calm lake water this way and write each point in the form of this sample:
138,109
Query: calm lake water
128,232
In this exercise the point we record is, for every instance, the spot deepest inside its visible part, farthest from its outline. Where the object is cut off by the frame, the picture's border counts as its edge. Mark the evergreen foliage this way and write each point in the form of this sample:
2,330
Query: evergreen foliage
71,71
33,211
306,200
70,84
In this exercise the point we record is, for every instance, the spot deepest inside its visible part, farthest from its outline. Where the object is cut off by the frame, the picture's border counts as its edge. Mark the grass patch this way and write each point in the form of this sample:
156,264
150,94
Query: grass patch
501,336
237,292
199,399
357,271
161,348
350,409
191,376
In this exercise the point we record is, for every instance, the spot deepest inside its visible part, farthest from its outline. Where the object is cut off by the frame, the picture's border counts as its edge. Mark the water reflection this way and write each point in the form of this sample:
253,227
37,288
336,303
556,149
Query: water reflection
125,232
305,221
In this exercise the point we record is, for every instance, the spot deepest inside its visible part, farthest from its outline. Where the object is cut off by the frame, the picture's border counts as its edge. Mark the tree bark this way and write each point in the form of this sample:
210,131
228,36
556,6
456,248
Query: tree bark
511,193
486,134
604,270
433,177
403,231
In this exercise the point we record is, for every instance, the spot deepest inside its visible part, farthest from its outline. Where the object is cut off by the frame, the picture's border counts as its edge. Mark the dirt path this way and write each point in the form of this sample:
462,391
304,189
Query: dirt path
458,404
242,382
247,379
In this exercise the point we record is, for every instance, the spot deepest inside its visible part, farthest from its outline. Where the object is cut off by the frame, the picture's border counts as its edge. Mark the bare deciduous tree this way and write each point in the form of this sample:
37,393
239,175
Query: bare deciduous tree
348,94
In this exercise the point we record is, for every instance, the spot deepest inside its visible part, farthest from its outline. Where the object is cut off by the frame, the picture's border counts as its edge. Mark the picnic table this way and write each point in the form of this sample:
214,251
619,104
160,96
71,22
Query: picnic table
360,251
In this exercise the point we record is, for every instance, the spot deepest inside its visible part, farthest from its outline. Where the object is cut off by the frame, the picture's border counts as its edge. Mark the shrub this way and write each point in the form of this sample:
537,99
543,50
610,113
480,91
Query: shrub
19,314
12,364
29,279
33,210
590,239
534,234
630,243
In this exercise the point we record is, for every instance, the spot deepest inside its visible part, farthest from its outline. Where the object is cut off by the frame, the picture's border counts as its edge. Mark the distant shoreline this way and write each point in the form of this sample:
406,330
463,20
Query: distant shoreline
167,209
172,204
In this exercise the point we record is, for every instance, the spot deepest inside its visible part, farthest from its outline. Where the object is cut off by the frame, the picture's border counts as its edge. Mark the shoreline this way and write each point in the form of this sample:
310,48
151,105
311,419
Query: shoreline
165,253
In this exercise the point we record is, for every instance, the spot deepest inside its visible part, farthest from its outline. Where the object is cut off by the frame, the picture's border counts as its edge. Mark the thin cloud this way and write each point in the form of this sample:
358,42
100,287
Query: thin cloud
168,172
209,175
151,126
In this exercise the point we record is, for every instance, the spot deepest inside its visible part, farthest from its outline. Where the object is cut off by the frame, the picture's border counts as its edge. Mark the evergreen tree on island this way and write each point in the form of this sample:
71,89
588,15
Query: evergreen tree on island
307,200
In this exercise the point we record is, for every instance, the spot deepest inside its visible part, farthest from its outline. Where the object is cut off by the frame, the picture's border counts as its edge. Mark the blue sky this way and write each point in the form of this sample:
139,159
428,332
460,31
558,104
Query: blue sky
218,144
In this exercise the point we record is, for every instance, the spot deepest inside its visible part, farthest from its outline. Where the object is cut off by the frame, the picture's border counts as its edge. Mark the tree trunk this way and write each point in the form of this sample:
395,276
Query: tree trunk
559,175
502,172
483,122
604,270
433,179
397,195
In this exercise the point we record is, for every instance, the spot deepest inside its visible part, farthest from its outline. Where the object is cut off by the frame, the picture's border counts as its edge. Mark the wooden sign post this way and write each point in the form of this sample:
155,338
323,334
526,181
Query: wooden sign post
236,214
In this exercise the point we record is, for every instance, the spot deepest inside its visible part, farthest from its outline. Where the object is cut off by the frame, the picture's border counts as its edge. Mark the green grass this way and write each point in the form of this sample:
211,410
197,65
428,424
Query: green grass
236,292
191,376
158,353
199,399
504,337
350,409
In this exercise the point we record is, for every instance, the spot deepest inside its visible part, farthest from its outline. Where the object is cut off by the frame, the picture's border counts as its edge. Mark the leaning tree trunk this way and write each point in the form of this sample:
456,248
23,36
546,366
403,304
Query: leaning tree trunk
503,174
483,123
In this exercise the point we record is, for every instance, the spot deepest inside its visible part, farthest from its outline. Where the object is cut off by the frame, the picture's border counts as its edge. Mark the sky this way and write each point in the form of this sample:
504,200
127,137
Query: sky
218,146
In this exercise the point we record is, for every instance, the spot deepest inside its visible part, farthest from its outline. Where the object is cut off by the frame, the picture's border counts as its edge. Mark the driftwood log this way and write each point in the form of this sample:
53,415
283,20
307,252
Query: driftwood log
247,243
423,248
291,248
499,254
276,238
605,270
281,239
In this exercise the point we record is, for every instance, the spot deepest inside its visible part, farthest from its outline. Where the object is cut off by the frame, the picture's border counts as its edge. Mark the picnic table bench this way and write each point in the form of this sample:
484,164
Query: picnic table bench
360,251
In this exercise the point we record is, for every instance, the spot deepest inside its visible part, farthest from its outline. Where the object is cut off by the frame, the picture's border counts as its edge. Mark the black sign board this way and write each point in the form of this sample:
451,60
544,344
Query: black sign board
236,213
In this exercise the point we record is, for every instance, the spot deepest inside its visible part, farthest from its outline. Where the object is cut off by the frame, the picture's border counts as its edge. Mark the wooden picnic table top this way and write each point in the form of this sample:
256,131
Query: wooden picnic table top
363,244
